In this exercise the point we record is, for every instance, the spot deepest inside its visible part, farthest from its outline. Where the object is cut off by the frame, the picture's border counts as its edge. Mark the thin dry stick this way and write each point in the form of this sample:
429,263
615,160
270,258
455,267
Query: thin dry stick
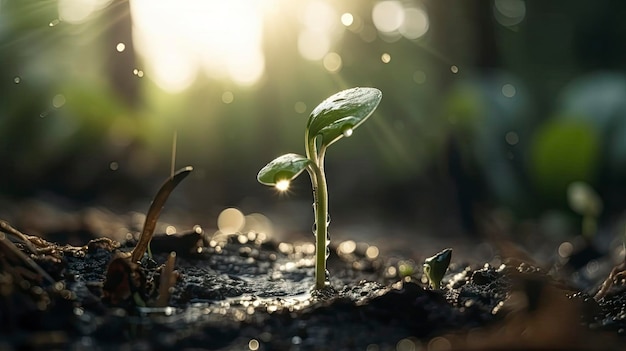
8,229
168,279
617,273
174,142
8,246
155,210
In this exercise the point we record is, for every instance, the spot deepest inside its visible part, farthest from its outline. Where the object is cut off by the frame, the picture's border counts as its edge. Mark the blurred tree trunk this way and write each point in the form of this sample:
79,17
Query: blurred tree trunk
120,65
464,35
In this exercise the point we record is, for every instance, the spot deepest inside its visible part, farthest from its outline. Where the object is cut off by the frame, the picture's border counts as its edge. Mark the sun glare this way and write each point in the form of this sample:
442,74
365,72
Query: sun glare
282,185
78,11
180,38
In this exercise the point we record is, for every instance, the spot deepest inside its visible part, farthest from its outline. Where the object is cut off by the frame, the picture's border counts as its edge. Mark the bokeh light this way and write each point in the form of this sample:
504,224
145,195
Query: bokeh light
230,221
508,90
347,19
386,58
228,97
332,62
58,101
300,107
509,12
388,16
415,23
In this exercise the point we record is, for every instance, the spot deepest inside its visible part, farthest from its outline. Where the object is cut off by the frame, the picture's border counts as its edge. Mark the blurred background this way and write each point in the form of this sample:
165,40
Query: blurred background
489,107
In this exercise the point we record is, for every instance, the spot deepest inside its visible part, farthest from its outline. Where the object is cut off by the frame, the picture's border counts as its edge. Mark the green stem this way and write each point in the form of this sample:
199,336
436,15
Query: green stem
320,203
321,228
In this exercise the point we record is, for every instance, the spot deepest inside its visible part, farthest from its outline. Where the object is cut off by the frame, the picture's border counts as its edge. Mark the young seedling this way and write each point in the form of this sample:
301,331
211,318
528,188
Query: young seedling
155,210
125,279
435,267
586,202
336,117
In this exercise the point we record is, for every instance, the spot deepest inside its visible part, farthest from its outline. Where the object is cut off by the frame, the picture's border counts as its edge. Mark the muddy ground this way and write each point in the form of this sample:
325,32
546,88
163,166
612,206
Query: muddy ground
248,292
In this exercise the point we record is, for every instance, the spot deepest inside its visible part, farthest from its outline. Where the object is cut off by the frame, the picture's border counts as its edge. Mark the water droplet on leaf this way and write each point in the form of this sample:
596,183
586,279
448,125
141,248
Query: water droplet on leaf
282,185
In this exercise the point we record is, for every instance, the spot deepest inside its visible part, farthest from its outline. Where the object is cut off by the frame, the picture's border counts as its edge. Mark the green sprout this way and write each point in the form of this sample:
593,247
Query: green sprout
585,201
436,266
336,117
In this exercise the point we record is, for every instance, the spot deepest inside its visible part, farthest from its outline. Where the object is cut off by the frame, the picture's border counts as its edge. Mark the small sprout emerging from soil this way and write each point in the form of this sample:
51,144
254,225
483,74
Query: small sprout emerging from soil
436,266
587,203
125,279
155,210
336,117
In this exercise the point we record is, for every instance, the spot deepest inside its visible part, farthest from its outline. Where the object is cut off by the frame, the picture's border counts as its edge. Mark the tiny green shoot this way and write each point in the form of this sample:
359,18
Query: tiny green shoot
435,267
585,201
336,117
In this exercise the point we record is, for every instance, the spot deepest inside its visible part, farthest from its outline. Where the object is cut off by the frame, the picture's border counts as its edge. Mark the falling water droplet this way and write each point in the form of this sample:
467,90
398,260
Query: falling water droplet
454,69
17,80
327,244
53,23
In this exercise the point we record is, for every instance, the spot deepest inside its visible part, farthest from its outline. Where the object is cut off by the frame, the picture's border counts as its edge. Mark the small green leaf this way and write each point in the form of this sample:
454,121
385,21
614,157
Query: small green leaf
341,113
285,167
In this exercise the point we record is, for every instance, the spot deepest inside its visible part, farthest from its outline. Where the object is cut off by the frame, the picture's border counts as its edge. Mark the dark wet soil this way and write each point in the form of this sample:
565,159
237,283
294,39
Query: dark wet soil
244,292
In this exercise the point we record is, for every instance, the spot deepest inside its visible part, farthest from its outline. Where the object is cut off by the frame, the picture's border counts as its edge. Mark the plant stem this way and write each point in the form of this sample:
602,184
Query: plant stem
320,203
321,228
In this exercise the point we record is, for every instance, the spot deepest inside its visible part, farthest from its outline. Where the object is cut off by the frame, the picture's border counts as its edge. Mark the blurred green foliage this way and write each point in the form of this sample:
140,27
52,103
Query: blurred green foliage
563,152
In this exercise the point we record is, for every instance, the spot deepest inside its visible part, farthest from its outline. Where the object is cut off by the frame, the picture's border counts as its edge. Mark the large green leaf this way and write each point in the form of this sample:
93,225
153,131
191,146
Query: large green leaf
285,167
341,113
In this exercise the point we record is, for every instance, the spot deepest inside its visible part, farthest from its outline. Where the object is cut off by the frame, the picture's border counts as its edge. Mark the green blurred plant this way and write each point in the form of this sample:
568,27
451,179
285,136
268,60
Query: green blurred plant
334,118
586,202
